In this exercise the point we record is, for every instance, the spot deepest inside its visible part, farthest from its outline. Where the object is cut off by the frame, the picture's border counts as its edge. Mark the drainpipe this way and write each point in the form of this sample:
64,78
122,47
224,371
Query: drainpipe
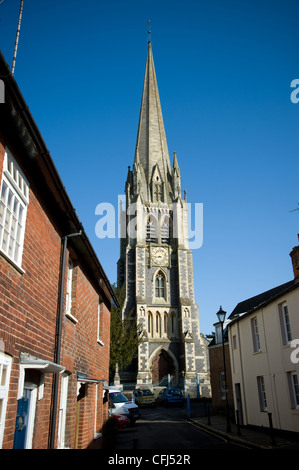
58,347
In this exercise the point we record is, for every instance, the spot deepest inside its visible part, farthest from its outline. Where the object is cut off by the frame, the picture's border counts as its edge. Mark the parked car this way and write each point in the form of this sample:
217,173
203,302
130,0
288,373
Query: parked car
121,421
119,404
171,395
144,397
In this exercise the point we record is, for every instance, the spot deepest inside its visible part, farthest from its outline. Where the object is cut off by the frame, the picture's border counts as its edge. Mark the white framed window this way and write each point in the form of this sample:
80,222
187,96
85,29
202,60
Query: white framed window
100,323
285,324
5,368
262,393
68,296
14,200
255,335
62,410
294,389
69,283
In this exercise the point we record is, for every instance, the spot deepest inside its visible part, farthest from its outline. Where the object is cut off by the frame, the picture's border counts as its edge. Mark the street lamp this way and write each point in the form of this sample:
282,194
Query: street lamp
221,317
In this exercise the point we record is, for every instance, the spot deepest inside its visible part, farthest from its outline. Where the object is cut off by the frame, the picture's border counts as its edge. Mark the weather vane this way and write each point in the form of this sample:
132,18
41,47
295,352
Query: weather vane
149,30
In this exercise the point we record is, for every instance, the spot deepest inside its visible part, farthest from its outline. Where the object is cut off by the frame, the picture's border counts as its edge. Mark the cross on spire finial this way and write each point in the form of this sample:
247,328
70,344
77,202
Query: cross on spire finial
149,30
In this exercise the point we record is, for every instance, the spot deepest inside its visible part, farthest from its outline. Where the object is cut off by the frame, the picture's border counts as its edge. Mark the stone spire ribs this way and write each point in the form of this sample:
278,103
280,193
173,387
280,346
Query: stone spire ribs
151,146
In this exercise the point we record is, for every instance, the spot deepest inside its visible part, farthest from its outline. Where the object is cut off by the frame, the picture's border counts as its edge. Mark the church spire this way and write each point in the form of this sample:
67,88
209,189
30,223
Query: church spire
151,138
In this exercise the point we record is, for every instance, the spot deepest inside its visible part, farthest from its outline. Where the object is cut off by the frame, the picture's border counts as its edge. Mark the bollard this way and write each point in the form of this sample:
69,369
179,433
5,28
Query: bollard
208,411
271,429
135,442
188,405
238,423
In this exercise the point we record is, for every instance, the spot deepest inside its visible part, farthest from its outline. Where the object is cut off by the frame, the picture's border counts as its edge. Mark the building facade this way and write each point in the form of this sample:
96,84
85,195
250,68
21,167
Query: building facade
155,260
264,352
221,379
55,298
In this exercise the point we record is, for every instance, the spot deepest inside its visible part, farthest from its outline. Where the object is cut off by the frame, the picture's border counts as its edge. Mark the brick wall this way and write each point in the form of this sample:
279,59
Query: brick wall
81,352
29,299
28,309
216,367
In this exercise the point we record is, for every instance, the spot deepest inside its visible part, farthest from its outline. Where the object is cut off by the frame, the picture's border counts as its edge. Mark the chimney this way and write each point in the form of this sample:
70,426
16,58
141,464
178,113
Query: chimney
295,260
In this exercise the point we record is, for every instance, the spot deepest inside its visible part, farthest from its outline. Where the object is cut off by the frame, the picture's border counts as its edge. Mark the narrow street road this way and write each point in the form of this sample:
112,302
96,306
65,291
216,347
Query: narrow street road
167,428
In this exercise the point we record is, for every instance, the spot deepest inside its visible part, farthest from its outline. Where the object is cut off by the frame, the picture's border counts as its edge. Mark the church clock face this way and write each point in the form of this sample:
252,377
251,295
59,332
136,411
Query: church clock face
159,256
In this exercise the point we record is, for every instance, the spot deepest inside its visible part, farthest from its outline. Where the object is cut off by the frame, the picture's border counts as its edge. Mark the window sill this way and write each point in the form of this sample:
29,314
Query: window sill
11,262
71,317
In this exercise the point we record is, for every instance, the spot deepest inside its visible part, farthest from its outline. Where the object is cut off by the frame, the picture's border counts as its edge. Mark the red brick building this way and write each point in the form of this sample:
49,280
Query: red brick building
217,374
55,298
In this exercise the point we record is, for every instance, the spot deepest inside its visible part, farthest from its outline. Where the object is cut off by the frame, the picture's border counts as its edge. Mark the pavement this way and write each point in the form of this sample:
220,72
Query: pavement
247,437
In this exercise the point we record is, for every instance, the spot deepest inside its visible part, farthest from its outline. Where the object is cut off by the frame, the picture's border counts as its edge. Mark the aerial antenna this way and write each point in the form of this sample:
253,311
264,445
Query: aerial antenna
17,38
297,209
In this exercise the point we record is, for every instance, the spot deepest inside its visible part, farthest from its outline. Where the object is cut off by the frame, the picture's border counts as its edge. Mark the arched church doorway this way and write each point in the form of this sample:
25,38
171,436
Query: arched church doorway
162,365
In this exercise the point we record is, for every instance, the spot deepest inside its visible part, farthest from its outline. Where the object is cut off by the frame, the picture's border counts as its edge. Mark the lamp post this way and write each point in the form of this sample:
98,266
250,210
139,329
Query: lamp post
221,317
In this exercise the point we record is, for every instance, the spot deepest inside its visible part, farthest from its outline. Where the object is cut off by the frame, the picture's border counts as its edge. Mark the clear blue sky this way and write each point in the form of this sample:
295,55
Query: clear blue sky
224,70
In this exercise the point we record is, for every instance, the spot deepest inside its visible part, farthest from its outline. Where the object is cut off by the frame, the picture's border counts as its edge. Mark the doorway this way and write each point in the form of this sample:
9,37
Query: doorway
162,366
24,424
239,403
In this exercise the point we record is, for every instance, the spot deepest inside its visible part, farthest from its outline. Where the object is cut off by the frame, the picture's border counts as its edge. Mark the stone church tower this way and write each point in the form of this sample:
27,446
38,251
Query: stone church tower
155,262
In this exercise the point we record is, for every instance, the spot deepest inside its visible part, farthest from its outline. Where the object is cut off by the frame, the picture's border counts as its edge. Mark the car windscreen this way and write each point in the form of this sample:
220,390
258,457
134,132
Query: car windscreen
117,397
147,393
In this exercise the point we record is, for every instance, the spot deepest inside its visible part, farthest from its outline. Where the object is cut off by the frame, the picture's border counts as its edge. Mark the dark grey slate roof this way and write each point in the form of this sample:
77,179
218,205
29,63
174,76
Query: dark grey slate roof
263,299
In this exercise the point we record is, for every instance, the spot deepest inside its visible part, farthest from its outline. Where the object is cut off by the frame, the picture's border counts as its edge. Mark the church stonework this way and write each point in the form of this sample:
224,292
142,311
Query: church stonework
155,262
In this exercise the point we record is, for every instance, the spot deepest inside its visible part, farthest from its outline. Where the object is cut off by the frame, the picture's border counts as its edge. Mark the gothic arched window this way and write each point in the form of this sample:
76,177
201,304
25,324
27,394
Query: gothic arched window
166,231
165,323
160,285
151,229
150,323
158,194
158,324
172,316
